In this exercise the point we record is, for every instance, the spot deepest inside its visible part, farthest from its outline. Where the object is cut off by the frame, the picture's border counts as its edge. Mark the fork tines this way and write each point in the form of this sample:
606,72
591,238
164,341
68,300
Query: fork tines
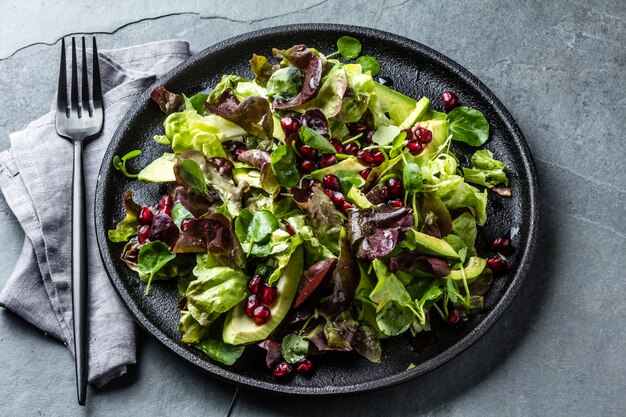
83,105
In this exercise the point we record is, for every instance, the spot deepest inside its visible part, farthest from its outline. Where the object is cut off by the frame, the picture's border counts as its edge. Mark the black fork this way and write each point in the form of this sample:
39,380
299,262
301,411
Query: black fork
79,121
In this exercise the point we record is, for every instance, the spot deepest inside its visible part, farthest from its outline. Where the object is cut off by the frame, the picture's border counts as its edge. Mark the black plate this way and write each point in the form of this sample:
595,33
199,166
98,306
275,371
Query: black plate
416,70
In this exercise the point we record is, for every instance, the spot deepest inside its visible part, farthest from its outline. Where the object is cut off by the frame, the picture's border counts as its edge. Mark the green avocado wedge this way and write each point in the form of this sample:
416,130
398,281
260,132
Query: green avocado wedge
474,268
440,134
159,170
240,329
428,245
396,104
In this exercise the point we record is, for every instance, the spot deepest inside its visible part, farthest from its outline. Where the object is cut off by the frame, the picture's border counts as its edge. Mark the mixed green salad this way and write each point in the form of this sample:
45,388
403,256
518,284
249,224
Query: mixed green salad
312,208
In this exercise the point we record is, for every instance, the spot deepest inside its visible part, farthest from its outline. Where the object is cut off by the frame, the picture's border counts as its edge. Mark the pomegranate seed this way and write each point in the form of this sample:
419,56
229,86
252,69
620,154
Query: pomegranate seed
357,128
328,160
329,193
384,192
351,149
345,206
331,182
501,243
449,100
289,125
252,303
365,157
338,146
307,152
378,156
454,316
255,285
184,224
238,152
308,166
166,210
282,369
304,366
145,216
414,147
395,203
368,137
261,315
289,228
166,201
269,294
143,234
424,136
338,198
497,263
365,173
395,187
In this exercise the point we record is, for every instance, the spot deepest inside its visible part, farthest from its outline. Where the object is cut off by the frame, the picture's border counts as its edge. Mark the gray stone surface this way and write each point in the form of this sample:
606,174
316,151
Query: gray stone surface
560,69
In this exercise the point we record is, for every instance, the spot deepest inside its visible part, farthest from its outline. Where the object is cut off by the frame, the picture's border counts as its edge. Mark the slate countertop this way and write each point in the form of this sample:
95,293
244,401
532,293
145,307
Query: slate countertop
559,67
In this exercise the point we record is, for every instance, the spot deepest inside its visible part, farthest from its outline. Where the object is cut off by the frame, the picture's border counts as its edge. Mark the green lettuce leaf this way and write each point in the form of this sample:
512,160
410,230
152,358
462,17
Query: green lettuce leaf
126,228
294,348
215,348
215,291
284,84
152,257
187,130
468,125
190,329
486,170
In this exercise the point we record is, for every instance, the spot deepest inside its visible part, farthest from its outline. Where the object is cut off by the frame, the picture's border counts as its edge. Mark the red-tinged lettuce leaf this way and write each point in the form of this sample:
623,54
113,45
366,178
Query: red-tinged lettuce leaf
374,231
226,103
274,352
408,261
164,229
261,69
197,205
321,212
437,222
167,101
131,253
313,277
310,65
129,225
255,157
315,120
346,277
253,115
213,234
222,165
345,335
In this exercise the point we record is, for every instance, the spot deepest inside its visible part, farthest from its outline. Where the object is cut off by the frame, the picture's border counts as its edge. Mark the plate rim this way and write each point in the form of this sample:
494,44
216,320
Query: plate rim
429,365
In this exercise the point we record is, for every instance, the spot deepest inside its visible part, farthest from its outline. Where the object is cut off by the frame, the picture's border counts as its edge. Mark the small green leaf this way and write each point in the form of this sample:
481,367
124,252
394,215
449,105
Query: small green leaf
152,257
180,213
120,163
216,349
294,348
370,64
283,161
316,141
412,177
189,171
468,125
285,84
349,47
384,135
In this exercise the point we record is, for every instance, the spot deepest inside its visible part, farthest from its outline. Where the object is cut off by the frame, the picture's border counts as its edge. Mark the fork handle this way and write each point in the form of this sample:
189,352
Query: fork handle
79,273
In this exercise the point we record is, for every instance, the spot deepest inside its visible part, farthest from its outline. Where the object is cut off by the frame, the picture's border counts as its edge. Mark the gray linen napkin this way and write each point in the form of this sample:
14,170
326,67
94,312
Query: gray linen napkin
36,179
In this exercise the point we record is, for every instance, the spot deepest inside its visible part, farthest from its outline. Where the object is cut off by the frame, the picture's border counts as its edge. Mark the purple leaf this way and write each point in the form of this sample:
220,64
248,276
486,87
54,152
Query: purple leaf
168,102
255,157
374,231
222,165
346,278
197,205
313,277
316,120
253,115
164,229
274,352
408,261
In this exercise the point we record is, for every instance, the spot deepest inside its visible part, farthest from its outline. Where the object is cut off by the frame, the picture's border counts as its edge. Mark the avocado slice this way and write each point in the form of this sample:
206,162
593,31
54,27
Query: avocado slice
159,170
356,197
474,268
421,107
396,104
429,245
240,329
